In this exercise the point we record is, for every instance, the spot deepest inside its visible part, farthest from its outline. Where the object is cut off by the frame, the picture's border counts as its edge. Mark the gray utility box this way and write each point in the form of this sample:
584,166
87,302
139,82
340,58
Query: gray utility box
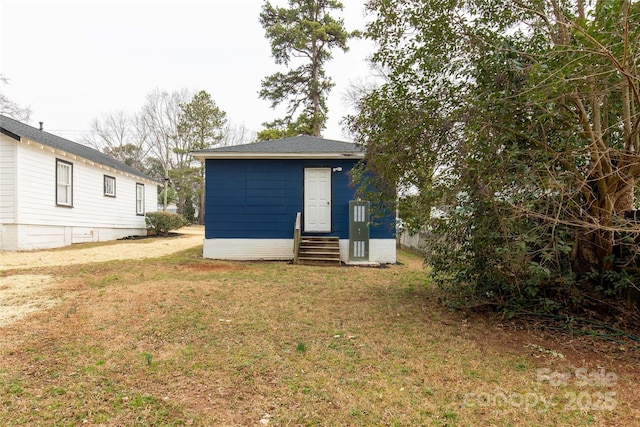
358,230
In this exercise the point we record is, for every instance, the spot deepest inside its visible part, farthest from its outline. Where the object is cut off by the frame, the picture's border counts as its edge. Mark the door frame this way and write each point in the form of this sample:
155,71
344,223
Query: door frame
306,193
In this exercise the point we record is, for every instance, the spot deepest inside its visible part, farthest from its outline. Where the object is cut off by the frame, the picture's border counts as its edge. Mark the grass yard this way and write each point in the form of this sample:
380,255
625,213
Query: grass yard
182,341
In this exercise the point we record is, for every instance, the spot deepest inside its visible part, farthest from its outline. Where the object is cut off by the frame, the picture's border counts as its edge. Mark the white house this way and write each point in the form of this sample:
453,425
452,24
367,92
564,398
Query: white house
55,192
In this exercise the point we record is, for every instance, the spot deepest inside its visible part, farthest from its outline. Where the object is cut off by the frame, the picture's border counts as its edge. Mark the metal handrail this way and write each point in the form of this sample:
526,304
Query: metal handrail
296,238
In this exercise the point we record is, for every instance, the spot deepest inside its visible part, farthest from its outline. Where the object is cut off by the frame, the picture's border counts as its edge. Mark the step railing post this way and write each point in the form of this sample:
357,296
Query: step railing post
296,239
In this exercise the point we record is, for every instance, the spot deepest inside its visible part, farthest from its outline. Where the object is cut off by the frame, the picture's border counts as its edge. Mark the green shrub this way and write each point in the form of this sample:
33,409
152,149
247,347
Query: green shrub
163,222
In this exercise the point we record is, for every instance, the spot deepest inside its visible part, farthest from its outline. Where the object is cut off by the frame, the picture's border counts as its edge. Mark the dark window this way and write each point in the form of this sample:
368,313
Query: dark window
64,183
139,199
109,186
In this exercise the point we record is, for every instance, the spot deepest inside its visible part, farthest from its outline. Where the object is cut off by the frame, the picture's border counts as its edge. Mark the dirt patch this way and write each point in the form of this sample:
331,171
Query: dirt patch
123,249
218,267
22,294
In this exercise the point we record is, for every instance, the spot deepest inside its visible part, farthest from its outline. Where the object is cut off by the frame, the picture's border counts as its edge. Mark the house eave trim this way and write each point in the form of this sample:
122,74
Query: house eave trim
236,155
76,158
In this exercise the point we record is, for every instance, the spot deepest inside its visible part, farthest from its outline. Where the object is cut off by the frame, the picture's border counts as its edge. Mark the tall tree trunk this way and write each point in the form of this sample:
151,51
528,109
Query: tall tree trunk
315,93
201,210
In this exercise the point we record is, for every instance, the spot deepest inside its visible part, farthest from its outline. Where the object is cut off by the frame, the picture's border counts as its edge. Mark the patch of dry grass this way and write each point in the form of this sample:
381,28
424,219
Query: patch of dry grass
186,341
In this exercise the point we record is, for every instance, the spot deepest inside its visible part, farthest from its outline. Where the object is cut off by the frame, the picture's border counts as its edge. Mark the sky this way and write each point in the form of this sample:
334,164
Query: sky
73,61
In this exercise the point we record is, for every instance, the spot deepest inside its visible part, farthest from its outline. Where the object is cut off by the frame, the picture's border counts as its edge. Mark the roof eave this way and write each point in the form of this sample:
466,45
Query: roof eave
73,156
255,155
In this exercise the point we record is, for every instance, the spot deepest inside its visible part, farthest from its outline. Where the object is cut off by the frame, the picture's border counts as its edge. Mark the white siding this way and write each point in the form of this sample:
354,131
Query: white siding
7,179
381,251
248,249
7,190
39,223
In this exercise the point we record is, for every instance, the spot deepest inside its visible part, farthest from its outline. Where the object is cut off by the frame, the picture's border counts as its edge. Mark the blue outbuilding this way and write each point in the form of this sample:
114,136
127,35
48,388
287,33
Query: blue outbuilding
255,192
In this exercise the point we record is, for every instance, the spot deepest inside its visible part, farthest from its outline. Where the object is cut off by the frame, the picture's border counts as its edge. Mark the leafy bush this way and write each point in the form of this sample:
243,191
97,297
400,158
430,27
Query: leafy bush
163,222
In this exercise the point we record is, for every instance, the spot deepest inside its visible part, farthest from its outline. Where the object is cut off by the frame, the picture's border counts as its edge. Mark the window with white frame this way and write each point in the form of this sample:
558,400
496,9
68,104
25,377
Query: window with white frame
64,183
109,186
139,199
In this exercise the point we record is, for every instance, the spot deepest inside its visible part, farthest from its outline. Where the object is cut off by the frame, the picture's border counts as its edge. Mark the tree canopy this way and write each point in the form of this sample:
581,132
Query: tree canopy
120,136
200,126
302,37
515,125
159,138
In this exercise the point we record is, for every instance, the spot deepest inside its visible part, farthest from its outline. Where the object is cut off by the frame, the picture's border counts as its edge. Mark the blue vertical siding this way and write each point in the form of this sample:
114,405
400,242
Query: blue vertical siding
259,198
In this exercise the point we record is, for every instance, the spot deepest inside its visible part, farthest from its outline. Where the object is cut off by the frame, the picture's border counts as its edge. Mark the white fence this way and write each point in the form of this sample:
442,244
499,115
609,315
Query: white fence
412,242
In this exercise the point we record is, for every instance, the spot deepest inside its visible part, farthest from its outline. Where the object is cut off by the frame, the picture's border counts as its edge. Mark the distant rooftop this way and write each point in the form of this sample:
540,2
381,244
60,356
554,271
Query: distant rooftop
18,130
302,146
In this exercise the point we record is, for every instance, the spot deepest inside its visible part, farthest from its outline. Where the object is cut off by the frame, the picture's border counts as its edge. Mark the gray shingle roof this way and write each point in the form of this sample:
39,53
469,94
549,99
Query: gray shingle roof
14,128
302,146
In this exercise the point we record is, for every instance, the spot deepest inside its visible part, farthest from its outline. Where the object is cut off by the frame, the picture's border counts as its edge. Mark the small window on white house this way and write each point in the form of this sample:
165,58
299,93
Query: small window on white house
64,183
139,199
109,186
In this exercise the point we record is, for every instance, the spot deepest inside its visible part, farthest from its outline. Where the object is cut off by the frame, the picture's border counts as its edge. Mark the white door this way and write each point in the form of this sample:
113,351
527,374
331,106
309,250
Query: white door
317,200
